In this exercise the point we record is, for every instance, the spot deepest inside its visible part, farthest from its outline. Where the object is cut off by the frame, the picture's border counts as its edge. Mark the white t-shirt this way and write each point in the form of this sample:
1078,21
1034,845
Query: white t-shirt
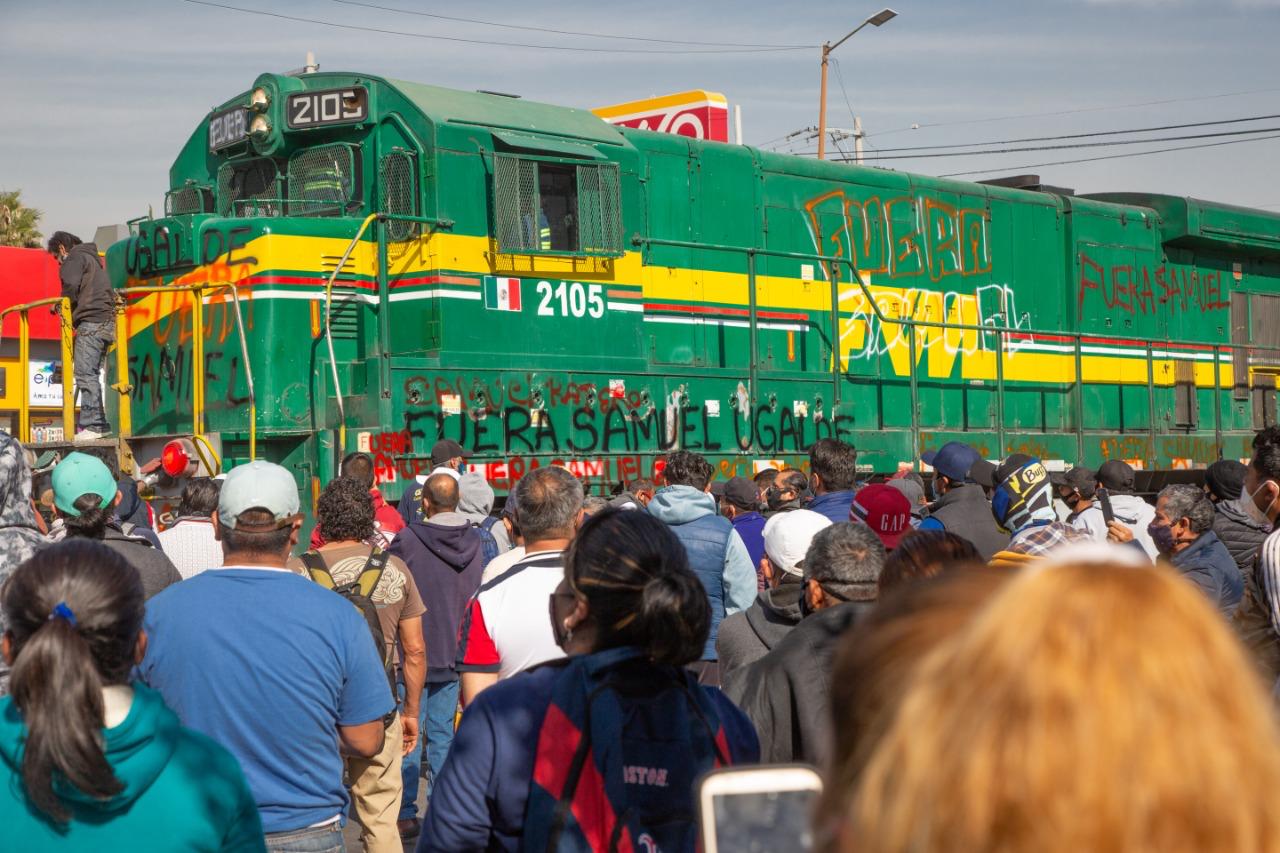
501,563
507,626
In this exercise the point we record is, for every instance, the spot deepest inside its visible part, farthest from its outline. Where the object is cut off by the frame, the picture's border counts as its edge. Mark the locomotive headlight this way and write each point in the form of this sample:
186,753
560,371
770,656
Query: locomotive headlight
260,99
260,126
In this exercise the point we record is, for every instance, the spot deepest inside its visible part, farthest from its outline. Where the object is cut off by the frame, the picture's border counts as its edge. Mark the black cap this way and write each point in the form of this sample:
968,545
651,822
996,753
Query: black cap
444,450
1080,478
716,489
983,473
1116,475
1225,478
1012,463
742,493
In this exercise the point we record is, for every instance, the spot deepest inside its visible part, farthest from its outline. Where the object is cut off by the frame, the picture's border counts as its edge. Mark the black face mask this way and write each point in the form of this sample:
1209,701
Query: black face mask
1072,501
774,499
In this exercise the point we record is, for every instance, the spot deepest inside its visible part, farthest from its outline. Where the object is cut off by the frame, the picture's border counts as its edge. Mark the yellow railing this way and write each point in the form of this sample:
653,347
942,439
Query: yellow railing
122,385
24,363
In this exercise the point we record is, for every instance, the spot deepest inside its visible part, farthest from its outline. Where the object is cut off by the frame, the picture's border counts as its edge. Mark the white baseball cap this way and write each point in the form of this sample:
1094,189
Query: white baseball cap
787,536
257,485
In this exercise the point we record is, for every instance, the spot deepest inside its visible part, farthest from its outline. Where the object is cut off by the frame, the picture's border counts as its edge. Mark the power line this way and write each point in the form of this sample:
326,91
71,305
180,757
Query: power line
1083,135
1078,145
1107,157
1083,110
529,28
382,31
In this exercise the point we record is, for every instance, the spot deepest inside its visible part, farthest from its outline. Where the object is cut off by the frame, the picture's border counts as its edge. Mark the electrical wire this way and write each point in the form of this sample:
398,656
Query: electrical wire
1077,145
1084,135
529,28
562,48
1082,110
1107,157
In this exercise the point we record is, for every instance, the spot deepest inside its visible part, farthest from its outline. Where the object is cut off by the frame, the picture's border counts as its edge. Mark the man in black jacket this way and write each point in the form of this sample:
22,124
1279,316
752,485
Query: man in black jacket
786,692
85,283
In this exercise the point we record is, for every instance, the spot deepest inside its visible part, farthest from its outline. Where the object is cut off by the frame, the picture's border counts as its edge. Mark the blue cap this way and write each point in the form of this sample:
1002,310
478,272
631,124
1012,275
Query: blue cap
954,460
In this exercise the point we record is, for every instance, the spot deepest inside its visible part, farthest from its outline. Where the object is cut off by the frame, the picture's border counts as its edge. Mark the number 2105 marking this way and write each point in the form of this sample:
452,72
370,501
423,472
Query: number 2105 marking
576,299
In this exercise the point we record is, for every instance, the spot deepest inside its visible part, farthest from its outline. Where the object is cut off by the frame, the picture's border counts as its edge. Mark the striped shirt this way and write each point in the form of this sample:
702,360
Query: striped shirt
1268,574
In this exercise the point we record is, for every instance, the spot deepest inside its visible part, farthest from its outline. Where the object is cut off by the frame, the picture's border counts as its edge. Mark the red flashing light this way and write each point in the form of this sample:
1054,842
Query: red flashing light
178,459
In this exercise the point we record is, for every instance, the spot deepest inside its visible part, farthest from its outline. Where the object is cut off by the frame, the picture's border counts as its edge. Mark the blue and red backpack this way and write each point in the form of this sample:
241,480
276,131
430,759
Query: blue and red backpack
620,749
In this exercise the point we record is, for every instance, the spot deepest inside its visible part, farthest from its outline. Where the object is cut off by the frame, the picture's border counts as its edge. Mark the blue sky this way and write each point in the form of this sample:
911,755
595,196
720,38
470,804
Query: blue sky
98,97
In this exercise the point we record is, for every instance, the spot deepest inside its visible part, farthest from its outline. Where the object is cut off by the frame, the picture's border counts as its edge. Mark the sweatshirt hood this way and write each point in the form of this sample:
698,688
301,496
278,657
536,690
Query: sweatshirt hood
681,504
137,750
777,611
90,249
449,537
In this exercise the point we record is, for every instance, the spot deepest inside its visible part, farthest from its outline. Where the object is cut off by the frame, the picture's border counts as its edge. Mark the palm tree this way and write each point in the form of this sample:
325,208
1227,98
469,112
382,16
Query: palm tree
17,221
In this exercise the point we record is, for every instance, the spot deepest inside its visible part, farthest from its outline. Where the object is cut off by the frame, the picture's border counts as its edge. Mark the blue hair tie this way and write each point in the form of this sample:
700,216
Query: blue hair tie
62,611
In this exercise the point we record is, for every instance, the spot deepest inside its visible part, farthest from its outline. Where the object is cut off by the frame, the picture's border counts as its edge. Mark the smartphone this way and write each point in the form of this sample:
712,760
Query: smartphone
1108,515
758,809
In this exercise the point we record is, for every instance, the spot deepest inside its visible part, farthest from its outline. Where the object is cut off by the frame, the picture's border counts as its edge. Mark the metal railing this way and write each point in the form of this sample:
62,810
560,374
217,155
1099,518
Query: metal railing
24,362
831,263
198,292
381,218
122,385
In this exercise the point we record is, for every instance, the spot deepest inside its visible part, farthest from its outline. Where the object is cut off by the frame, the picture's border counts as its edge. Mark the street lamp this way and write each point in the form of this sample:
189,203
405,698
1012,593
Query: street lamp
876,20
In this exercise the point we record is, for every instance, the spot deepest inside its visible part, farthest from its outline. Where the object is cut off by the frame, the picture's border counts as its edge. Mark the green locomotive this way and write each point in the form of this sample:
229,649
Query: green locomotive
411,262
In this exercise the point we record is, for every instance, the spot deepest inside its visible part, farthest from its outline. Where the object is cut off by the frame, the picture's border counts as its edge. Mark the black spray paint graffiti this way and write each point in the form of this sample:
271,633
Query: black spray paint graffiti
168,377
155,248
521,430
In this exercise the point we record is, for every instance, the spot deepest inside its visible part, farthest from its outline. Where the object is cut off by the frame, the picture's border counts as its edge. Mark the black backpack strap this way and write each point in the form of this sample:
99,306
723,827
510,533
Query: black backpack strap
565,803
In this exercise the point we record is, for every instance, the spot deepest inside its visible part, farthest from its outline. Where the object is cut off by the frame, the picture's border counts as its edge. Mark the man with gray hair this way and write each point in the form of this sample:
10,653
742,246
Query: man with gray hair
506,628
1183,533
785,693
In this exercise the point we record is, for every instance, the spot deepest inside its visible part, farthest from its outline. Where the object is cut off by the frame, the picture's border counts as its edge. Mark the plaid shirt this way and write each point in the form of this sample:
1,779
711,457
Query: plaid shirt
1036,541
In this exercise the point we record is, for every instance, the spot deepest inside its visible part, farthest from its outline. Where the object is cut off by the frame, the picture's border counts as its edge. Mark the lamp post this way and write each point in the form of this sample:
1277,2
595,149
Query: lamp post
876,20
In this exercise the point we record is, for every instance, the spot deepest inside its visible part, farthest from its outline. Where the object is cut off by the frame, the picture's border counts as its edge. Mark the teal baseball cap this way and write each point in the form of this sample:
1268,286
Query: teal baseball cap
78,475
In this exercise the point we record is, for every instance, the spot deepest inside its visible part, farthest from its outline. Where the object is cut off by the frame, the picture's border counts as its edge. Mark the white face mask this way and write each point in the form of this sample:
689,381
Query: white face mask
1251,507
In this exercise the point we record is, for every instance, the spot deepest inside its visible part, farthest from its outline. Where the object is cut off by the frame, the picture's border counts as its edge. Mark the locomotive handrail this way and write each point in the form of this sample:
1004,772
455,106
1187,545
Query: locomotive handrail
197,361
999,330
24,360
328,329
328,303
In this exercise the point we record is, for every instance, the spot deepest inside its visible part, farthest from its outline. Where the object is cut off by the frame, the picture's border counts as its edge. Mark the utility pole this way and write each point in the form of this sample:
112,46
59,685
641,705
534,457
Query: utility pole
876,20
857,139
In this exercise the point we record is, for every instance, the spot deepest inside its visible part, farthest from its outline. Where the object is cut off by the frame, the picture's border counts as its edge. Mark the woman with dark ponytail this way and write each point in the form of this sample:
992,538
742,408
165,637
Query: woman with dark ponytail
93,761
599,750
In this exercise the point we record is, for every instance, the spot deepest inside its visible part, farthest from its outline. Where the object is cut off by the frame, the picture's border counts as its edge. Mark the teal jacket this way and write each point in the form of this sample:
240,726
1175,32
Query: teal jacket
182,791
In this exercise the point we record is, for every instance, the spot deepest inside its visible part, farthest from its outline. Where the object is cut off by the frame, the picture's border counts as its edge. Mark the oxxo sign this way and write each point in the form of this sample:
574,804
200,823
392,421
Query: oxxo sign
698,114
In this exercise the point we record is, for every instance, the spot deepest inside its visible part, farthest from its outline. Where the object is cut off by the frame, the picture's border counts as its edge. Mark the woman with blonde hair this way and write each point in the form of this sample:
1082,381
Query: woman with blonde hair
1085,707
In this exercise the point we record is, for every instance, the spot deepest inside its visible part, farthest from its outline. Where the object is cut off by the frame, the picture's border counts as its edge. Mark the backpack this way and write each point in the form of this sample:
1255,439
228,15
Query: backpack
488,544
618,757
360,593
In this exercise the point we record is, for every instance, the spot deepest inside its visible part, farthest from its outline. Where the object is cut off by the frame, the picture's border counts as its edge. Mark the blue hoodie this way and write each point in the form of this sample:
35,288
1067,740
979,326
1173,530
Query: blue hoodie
680,507
444,555
181,791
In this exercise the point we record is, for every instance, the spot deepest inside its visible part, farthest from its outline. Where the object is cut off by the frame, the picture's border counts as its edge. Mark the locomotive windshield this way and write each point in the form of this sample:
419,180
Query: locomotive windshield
318,181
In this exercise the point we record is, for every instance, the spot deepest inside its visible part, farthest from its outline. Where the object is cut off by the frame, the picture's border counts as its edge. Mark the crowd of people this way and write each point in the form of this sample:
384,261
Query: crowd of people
999,656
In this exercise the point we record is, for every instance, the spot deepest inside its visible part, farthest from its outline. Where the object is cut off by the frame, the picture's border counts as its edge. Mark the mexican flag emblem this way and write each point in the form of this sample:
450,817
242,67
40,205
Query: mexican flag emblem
501,294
